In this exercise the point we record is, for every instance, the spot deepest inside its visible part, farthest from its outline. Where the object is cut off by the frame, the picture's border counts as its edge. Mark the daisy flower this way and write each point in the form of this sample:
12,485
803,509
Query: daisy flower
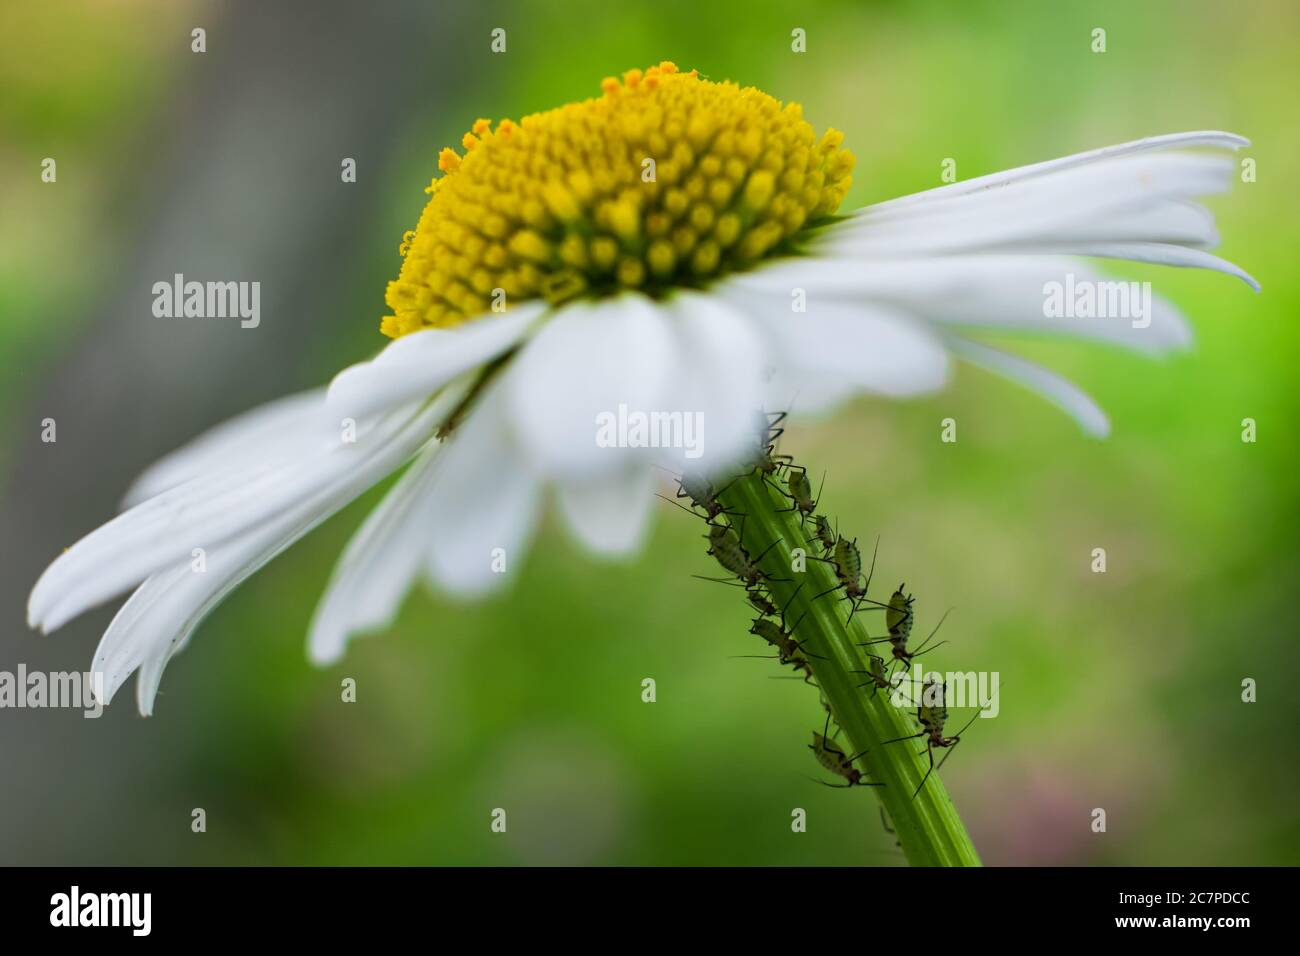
672,246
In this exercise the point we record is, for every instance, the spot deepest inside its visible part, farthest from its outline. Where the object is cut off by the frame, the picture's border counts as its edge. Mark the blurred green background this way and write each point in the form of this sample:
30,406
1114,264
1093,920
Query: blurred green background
1122,690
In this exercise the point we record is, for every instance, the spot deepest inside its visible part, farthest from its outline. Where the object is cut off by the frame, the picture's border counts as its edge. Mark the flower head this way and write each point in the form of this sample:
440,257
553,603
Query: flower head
666,180
558,284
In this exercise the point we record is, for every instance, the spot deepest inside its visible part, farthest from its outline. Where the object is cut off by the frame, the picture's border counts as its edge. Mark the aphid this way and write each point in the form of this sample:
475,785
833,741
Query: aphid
825,535
876,675
801,493
899,618
724,544
789,650
760,602
702,495
767,434
832,758
932,714
847,561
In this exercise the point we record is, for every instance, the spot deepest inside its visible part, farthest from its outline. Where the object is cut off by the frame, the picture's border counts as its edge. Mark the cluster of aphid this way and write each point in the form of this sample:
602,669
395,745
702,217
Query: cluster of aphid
743,563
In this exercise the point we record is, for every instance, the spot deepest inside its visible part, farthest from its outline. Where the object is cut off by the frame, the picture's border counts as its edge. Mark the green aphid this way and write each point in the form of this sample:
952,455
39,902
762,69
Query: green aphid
932,715
847,562
761,602
701,493
789,650
875,673
899,618
724,544
726,547
832,758
825,534
800,492
766,435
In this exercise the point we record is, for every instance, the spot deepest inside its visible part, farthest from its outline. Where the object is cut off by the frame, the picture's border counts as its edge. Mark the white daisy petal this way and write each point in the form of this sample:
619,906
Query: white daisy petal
254,436
720,381
379,564
1203,138
148,678
206,511
1160,253
1004,292
864,345
610,515
162,613
420,363
1065,395
484,498
1127,202
1086,199
201,513
586,362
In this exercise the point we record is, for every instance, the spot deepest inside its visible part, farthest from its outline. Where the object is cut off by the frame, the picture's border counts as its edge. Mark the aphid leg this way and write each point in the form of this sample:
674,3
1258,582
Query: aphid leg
740,532
762,554
799,644
823,593
900,739
929,749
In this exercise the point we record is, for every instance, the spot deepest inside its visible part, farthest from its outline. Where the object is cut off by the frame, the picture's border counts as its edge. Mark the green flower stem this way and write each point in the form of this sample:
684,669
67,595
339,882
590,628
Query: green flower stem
928,827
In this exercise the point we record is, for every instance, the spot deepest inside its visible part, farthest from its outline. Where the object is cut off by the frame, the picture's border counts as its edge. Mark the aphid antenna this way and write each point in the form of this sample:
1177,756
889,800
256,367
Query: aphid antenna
677,504
930,637
872,570
730,581
958,738
911,656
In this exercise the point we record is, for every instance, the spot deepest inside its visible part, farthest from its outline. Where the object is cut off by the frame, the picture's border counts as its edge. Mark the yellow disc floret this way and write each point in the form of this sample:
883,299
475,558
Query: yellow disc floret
666,180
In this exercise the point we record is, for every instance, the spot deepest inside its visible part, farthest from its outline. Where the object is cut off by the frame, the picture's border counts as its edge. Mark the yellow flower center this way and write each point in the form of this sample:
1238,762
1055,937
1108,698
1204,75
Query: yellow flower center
666,180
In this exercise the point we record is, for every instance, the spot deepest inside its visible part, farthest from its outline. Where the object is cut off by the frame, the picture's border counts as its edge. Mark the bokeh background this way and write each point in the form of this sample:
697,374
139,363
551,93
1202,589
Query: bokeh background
1122,690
